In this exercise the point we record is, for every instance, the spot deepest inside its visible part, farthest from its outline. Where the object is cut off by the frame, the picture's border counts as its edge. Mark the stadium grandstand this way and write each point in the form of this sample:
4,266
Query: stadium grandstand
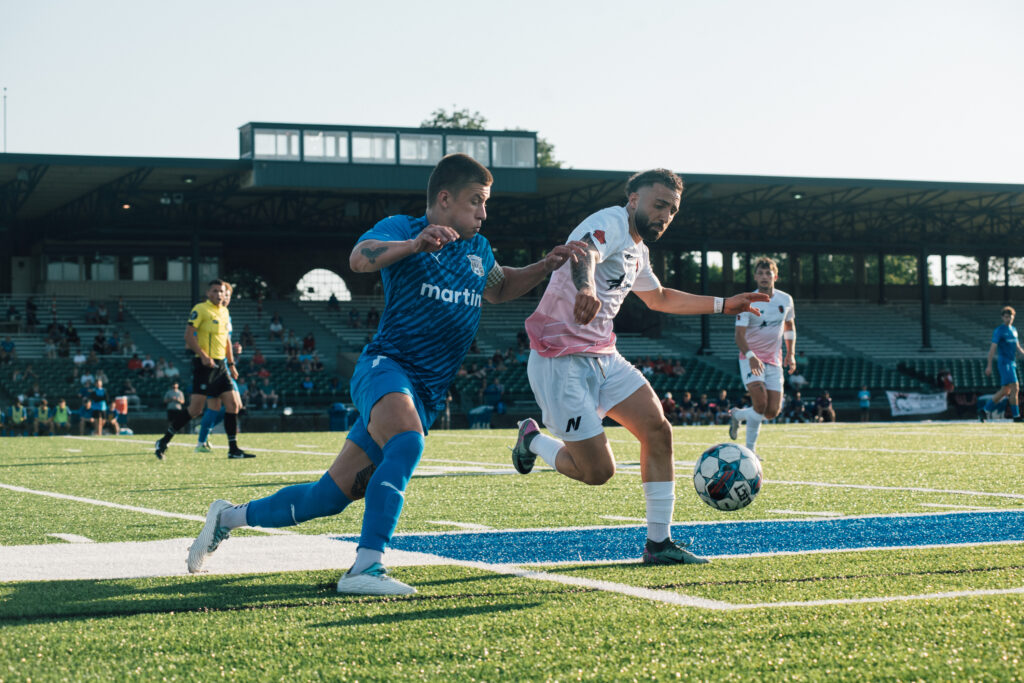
139,236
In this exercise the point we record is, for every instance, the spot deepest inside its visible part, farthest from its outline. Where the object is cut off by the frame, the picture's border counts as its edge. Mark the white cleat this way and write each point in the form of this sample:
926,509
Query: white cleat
209,538
373,581
734,425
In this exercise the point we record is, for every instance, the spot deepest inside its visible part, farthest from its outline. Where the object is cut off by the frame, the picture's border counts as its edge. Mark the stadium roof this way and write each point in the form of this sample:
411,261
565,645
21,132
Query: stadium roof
57,197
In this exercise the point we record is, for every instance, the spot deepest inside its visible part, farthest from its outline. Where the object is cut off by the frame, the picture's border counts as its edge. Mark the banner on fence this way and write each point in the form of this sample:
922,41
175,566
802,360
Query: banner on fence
907,403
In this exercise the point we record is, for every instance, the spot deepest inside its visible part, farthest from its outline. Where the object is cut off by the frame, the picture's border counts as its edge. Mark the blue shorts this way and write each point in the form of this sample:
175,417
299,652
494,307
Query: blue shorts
1007,372
377,376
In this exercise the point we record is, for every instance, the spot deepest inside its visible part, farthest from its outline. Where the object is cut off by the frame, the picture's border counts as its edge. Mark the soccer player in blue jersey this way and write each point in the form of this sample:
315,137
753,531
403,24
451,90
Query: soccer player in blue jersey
1005,342
437,270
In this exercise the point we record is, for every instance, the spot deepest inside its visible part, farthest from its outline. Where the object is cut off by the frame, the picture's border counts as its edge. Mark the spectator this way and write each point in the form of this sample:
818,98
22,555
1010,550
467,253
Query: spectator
258,358
62,418
268,394
678,369
31,314
87,378
246,338
668,405
798,380
43,419
149,367
174,401
113,341
276,328
161,368
309,342
92,359
333,304
63,348
18,419
334,386
291,342
318,365
128,346
50,348
102,316
292,362
797,409
702,413
29,375
102,376
8,350
353,317
53,308
823,408
99,343
35,395
120,309
308,385
128,390
722,406
171,372
372,317
90,313
86,419
134,364
864,398
494,395
686,406
79,357
12,314
72,334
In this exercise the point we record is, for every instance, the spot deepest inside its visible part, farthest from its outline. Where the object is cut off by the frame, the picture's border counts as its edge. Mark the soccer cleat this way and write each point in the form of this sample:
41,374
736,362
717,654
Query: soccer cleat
734,425
522,458
209,538
667,552
161,448
373,581
981,415
239,454
1019,418
204,447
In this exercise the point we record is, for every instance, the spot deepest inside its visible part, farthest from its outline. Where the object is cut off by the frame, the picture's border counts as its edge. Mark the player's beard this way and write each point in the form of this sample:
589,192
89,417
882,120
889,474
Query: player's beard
649,232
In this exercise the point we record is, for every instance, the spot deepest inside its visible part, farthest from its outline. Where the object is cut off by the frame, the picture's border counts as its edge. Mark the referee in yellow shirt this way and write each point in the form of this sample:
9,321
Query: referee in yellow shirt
207,335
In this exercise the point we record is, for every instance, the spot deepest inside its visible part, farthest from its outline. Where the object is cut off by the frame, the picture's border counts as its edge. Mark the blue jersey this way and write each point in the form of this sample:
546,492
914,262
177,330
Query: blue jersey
1005,339
432,306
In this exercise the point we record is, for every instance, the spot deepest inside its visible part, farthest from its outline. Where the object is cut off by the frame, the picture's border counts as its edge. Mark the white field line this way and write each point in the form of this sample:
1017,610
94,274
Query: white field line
776,447
615,518
916,489
468,526
809,514
881,599
72,538
957,507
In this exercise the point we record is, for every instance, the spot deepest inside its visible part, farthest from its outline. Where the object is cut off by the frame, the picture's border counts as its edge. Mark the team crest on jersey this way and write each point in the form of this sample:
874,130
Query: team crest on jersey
476,265
781,309
599,236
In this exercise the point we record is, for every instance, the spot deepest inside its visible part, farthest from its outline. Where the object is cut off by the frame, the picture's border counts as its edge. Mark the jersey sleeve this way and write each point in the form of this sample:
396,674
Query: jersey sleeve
197,316
607,235
743,319
646,280
995,336
390,229
791,313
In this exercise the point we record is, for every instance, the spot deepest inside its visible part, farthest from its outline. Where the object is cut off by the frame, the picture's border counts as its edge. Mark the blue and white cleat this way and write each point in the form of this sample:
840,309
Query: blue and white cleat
734,425
373,581
210,537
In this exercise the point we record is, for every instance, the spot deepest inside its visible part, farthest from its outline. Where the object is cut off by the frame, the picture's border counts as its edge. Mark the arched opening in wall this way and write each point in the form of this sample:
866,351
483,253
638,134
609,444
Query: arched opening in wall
318,285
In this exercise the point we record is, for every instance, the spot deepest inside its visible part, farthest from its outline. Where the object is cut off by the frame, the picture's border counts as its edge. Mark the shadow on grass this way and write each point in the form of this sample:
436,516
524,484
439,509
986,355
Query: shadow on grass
444,613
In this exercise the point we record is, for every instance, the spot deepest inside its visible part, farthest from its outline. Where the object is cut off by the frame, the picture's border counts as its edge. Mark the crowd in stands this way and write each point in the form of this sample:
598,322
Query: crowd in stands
687,410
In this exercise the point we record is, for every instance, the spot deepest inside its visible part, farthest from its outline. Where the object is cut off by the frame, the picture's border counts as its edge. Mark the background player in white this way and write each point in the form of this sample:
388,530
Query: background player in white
578,376
761,352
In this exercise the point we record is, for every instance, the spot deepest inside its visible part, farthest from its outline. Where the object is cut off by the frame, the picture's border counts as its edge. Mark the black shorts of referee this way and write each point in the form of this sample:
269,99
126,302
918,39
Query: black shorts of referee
213,381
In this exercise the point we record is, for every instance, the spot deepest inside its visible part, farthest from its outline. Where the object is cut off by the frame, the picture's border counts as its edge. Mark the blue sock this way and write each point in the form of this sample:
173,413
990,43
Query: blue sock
209,419
295,504
385,493
1016,410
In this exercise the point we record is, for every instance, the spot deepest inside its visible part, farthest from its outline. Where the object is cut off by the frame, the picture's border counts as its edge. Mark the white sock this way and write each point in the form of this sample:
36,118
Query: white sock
661,498
547,448
234,517
742,414
753,427
365,559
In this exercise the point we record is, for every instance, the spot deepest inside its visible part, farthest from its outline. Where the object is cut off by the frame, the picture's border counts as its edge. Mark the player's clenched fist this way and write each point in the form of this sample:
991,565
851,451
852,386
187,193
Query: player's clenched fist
433,238
740,303
586,307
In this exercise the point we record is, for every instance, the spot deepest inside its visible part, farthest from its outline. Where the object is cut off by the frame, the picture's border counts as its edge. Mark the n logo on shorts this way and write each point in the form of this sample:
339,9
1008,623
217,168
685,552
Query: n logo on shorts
573,424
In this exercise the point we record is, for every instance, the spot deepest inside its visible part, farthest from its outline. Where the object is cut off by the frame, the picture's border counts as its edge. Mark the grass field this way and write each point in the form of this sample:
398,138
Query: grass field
874,551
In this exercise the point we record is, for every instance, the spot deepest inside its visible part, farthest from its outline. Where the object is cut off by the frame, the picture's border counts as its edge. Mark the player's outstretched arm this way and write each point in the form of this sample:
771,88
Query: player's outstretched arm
369,256
505,284
666,300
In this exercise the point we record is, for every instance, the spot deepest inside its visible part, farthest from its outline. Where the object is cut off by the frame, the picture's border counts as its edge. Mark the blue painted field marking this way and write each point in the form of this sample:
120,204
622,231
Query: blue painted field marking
610,544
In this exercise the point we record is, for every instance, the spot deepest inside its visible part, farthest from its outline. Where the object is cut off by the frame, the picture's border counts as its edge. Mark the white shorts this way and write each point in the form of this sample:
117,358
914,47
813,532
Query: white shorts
575,392
772,375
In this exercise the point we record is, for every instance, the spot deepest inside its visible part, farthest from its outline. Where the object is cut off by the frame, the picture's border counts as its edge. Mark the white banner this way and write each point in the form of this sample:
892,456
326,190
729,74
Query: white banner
906,403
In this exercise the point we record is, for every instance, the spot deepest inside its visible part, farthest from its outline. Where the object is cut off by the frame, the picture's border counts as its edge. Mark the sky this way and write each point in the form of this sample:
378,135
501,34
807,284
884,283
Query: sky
894,89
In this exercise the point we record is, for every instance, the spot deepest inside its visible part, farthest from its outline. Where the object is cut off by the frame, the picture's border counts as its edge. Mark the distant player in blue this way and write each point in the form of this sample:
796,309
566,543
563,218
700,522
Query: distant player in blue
1004,342
437,270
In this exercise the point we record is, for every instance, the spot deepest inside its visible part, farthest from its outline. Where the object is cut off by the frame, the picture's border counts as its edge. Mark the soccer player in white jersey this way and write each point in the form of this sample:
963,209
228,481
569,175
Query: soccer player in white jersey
761,352
578,376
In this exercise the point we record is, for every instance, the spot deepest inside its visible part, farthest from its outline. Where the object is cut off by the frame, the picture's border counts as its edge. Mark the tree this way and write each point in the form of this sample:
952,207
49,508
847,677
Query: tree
464,119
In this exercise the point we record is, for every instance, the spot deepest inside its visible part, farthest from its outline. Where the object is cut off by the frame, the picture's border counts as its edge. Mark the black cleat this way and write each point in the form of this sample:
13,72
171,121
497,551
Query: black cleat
161,448
239,454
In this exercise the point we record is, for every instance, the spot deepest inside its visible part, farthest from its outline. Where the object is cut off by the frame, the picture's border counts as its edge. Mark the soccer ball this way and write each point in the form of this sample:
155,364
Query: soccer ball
727,476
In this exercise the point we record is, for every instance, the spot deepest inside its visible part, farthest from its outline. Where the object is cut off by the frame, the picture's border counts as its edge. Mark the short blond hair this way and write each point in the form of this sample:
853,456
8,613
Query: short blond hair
766,262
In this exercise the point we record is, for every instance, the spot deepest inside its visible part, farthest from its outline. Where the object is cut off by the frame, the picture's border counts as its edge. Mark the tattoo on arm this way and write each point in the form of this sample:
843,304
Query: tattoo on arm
372,254
361,481
583,269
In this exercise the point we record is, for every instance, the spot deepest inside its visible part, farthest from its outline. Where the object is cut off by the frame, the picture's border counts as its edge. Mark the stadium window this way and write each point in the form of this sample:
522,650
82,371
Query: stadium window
472,145
276,144
320,283
417,149
103,269
373,148
513,152
63,268
320,145
178,269
142,270
209,269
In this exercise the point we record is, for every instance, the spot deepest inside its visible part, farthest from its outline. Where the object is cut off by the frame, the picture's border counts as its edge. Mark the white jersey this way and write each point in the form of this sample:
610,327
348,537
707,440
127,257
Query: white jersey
764,334
622,265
